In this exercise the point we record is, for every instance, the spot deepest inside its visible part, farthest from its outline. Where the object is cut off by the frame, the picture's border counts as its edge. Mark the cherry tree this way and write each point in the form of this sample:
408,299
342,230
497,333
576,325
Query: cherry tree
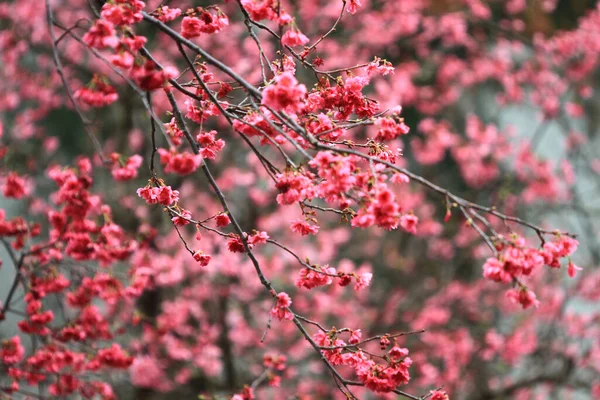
299,199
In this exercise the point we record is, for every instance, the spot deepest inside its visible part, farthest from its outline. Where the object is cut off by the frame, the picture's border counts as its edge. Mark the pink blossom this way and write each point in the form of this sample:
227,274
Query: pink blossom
163,195
293,38
149,77
524,297
202,258
315,276
285,94
258,238
183,219
182,163
304,228
146,372
222,220
206,22
572,269
11,351
167,14
438,395
123,13
281,308
16,186
409,222
390,129
363,279
127,170
260,9
101,35
353,6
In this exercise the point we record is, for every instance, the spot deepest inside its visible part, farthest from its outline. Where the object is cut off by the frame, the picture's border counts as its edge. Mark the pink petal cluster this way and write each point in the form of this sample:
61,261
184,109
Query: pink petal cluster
125,170
294,38
315,276
285,94
123,12
281,309
205,22
182,163
162,195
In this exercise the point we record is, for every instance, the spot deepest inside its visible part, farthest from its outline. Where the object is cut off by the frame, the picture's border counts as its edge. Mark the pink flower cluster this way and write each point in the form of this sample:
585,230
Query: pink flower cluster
75,232
202,258
203,21
315,276
15,186
516,261
210,146
338,176
97,94
125,170
167,14
380,378
281,309
259,124
389,129
236,245
182,163
293,38
123,12
304,228
175,134
101,35
200,113
294,187
265,9
149,77
12,351
285,94
343,99
382,210
162,195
